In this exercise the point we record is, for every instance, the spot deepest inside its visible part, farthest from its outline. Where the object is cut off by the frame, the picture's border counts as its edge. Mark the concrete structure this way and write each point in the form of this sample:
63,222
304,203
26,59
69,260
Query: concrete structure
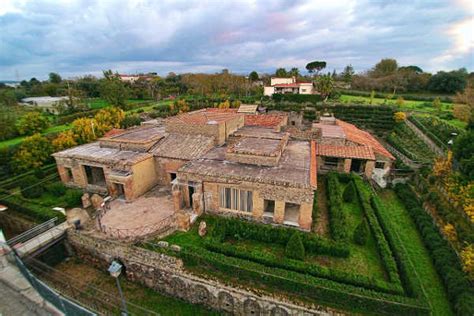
224,162
45,102
133,78
288,85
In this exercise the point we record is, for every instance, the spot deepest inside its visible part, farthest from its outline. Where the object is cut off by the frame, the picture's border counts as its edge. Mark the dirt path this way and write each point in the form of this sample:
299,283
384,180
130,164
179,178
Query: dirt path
321,227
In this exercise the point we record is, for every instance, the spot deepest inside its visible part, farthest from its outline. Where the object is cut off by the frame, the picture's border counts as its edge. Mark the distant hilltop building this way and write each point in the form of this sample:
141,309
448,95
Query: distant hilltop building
133,78
288,86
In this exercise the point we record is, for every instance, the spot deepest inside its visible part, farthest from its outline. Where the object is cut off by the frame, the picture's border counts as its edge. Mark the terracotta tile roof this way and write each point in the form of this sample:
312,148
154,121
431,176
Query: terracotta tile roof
183,146
357,152
114,132
205,116
361,137
265,120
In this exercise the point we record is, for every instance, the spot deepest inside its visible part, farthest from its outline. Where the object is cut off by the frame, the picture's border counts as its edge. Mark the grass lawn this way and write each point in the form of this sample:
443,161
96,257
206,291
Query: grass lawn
18,140
417,253
101,103
84,276
409,105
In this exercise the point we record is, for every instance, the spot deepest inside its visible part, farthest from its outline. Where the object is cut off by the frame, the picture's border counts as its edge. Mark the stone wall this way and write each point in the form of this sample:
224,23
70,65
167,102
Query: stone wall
165,274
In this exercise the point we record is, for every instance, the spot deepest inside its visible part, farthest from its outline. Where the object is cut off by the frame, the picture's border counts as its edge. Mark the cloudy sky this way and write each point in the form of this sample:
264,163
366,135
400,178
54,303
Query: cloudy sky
77,37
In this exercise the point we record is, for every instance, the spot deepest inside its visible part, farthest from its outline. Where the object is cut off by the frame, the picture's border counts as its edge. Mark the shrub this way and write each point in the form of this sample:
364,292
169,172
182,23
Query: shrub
294,248
73,197
349,193
130,120
361,233
56,189
337,216
30,188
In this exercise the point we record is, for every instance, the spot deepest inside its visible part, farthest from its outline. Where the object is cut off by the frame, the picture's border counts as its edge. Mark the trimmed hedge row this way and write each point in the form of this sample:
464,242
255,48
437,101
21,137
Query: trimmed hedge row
320,290
31,210
412,97
315,270
14,182
226,228
384,249
337,216
459,288
297,98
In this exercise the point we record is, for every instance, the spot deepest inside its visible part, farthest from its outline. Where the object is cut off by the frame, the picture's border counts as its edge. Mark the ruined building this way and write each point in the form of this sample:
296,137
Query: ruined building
223,161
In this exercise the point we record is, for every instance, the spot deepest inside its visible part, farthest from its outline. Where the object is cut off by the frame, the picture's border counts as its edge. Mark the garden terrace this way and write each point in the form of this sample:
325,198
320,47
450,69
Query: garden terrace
436,129
374,278
408,143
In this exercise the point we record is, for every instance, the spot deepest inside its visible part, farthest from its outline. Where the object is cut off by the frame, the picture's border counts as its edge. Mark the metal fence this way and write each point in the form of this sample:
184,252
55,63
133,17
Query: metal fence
62,303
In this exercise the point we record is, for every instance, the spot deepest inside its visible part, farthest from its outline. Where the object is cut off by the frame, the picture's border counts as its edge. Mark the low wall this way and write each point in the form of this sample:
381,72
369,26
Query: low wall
165,274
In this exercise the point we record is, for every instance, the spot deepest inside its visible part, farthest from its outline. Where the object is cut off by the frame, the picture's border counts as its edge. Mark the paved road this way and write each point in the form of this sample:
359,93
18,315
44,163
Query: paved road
14,304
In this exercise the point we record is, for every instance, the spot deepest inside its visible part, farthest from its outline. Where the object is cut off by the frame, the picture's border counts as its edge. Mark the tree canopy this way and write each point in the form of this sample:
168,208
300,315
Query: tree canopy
316,65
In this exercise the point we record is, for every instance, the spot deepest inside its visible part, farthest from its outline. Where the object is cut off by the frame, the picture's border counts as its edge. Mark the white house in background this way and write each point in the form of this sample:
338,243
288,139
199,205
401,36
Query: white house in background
133,78
288,86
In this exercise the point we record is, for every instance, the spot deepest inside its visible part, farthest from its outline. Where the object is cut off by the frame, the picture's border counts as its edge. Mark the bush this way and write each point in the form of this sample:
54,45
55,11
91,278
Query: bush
294,248
238,228
30,187
73,197
130,120
56,189
337,216
361,233
297,98
349,193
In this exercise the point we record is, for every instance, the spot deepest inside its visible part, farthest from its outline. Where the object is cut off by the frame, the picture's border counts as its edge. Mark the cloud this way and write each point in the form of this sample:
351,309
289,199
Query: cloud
77,37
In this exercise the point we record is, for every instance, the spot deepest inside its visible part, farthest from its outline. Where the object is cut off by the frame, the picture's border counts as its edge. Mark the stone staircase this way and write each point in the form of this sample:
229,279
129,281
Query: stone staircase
435,148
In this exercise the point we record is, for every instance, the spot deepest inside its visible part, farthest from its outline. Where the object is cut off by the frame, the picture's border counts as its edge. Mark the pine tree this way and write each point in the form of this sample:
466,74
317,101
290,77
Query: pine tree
294,247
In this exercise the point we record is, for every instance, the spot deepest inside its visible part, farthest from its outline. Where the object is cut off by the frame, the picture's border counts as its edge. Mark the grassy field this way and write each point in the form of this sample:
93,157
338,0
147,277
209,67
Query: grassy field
408,105
101,103
18,140
417,253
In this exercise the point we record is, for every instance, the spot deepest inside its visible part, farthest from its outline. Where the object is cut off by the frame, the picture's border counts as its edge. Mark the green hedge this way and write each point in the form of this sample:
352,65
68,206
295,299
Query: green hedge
382,245
237,228
31,210
322,291
315,270
413,97
337,216
297,98
459,288
14,182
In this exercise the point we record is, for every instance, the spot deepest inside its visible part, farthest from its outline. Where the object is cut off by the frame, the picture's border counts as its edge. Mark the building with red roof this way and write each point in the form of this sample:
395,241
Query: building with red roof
288,86
343,147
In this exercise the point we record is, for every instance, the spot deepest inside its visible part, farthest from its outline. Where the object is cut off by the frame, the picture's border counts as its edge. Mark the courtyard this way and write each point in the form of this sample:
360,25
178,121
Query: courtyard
139,218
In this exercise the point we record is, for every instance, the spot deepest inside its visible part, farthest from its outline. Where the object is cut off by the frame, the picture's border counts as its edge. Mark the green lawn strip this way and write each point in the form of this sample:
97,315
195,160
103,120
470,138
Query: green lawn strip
416,252
18,140
408,105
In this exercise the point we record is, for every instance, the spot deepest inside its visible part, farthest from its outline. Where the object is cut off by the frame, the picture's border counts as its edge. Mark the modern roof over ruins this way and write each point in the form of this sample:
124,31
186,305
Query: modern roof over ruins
183,146
203,117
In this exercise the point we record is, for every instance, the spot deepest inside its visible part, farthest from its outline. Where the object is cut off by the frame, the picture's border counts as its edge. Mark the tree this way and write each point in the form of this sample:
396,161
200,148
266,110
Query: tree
465,100
399,117
448,82
349,193
281,72
385,67
294,72
295,248
181,105
107,119
54,78
224,105
130,120
113,90
463,152
400,101
411,68
84,130
31,187
462,112
34,151
315,66
347,73
361,233
325,85
31,123
253,76
64,140
437,104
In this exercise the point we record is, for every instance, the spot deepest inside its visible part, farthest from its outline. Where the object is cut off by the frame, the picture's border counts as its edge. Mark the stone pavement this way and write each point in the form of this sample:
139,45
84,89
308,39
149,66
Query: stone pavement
13,303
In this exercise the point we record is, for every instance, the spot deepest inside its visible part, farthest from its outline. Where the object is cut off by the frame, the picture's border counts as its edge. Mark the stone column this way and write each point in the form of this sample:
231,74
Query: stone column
347,165
197,203
279,215
177,200
257,206
369,167
305,219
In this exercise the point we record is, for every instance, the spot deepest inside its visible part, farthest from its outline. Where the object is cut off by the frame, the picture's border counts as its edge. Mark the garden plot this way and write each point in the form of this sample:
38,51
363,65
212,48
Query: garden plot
347,272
